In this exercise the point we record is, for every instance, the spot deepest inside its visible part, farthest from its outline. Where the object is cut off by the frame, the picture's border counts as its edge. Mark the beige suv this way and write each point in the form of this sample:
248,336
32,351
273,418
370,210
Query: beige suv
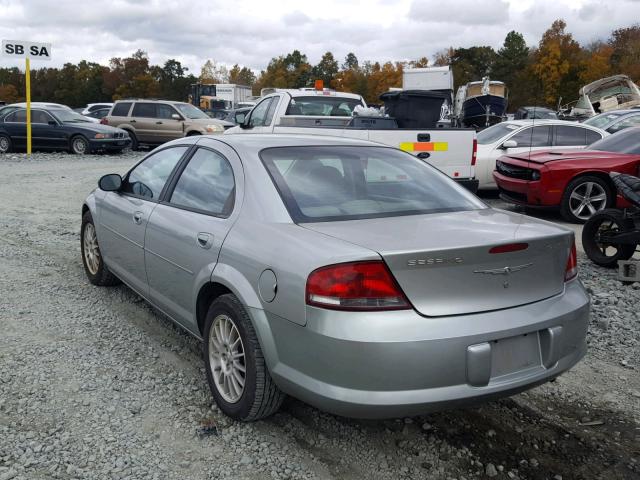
152,122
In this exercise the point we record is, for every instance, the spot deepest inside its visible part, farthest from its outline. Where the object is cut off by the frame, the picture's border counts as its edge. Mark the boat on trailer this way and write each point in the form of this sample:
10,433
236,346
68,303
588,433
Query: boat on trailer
481,104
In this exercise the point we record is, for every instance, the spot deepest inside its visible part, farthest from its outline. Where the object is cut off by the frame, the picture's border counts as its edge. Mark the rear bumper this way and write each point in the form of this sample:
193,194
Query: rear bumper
470,184
392,364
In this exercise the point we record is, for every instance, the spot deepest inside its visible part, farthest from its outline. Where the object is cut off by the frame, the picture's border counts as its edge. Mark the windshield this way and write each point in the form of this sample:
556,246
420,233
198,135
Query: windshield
190,111
496,132
331,183
625,141
69,116
542,113
322,105
603,119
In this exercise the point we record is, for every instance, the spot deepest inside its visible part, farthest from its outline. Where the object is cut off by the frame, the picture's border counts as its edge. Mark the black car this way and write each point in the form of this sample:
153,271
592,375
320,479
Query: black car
59,129
524,113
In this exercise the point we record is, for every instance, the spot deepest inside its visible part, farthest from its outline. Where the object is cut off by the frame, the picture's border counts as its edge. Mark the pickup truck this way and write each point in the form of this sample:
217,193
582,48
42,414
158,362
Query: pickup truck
451,150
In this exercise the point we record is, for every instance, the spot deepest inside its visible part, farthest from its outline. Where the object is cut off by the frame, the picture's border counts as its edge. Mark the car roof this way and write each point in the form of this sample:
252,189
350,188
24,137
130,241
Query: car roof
618,112
540,121
258,141
316,93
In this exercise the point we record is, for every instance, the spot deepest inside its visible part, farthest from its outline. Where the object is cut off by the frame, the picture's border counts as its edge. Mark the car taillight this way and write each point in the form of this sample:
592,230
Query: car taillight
474,154
103,121
572,264
355,286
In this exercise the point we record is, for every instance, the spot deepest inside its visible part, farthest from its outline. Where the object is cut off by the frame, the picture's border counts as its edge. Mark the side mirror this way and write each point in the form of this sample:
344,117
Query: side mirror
246,123
509,144
110,183
175,116
240,118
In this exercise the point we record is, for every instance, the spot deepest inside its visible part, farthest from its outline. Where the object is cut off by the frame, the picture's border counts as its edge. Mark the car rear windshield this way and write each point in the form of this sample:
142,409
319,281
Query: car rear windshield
603,119
625,141
496,132
330,183
322,105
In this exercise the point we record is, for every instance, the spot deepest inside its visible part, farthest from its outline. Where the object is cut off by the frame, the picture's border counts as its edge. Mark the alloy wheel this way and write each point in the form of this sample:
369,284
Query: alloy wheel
586,199
4,144
79,146
227,359
91,250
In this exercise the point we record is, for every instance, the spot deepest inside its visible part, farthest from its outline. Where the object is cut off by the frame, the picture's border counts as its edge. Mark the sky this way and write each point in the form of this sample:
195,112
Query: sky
251,32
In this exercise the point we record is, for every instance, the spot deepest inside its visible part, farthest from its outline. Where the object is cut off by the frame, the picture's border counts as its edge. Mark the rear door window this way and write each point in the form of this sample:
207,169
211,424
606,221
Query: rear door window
144,110
533,137
19,116
570,136
121,109
206,184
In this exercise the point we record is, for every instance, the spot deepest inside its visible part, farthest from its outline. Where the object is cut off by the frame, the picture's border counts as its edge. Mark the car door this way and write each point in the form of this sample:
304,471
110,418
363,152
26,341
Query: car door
47,132
123,215
573,136
166,127
143,119
187,229
16,126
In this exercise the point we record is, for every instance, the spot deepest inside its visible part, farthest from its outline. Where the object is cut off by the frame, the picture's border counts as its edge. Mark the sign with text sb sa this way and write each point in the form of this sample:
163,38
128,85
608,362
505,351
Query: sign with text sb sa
21,49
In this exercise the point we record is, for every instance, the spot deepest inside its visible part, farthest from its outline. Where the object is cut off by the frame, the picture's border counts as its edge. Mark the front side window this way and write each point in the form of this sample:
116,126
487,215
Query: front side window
144,110
38,116
206,184
259,113
336,183
533,137
148,178
121,109
165,111
569,136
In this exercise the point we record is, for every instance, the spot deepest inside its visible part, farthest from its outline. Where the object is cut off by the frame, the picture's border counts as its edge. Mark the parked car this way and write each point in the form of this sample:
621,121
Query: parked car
524,136
59,129
616,120
92,107
348,301
538,113
575,181
98,114
153,122
238,115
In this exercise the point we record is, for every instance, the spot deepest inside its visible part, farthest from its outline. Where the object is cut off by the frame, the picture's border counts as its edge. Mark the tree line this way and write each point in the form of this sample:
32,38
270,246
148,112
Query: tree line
546,74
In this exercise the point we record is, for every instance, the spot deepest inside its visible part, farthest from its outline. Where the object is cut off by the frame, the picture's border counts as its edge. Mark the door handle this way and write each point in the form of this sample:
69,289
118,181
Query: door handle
205,240
132,121
137,217
158,123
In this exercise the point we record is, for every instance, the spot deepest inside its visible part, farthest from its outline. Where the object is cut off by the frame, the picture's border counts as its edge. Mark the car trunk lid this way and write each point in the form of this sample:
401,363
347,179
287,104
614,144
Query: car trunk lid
445,265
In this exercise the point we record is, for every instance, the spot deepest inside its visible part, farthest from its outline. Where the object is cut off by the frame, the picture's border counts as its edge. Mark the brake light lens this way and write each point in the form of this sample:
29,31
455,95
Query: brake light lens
360,286
572,264
474,154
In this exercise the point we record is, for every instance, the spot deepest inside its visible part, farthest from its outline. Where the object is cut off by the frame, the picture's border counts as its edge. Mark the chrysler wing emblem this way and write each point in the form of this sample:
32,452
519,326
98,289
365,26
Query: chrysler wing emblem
505,270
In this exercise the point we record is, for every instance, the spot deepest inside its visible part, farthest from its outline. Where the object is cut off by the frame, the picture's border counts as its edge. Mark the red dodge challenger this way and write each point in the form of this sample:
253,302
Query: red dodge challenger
576,181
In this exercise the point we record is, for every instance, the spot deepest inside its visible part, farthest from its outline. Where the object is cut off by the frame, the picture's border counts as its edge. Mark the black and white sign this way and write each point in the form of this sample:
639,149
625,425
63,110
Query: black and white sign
21,49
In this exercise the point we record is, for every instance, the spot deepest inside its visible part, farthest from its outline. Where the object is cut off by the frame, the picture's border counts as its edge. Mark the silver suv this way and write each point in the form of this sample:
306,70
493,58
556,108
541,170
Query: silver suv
152,122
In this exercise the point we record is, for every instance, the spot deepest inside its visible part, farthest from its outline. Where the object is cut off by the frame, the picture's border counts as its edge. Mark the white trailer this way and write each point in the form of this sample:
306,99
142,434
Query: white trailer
232,94
428,78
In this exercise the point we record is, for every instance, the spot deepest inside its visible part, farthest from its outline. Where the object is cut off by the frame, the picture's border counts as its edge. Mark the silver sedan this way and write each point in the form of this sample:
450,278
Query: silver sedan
347,274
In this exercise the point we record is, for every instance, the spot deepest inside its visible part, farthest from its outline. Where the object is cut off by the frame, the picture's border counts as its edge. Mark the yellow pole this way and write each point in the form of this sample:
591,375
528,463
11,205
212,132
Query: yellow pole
28,82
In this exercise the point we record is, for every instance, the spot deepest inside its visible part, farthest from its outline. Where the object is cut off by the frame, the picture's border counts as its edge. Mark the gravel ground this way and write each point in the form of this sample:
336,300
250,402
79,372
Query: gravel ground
94,384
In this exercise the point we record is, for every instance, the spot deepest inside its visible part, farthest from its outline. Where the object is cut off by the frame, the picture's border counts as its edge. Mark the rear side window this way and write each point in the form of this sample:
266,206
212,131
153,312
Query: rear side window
148,178
533,137
19,116
121,109
144,110
569,136
323,105
334,183
206,184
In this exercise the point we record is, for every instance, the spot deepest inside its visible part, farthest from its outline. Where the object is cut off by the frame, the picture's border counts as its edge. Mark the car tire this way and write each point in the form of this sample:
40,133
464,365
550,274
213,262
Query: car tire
79,145
135,146
5,144
94,267
595,191
597,251
231,344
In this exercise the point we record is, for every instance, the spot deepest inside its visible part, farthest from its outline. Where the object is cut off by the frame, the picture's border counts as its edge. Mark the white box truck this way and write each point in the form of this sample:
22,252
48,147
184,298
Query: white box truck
232,94
428,78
